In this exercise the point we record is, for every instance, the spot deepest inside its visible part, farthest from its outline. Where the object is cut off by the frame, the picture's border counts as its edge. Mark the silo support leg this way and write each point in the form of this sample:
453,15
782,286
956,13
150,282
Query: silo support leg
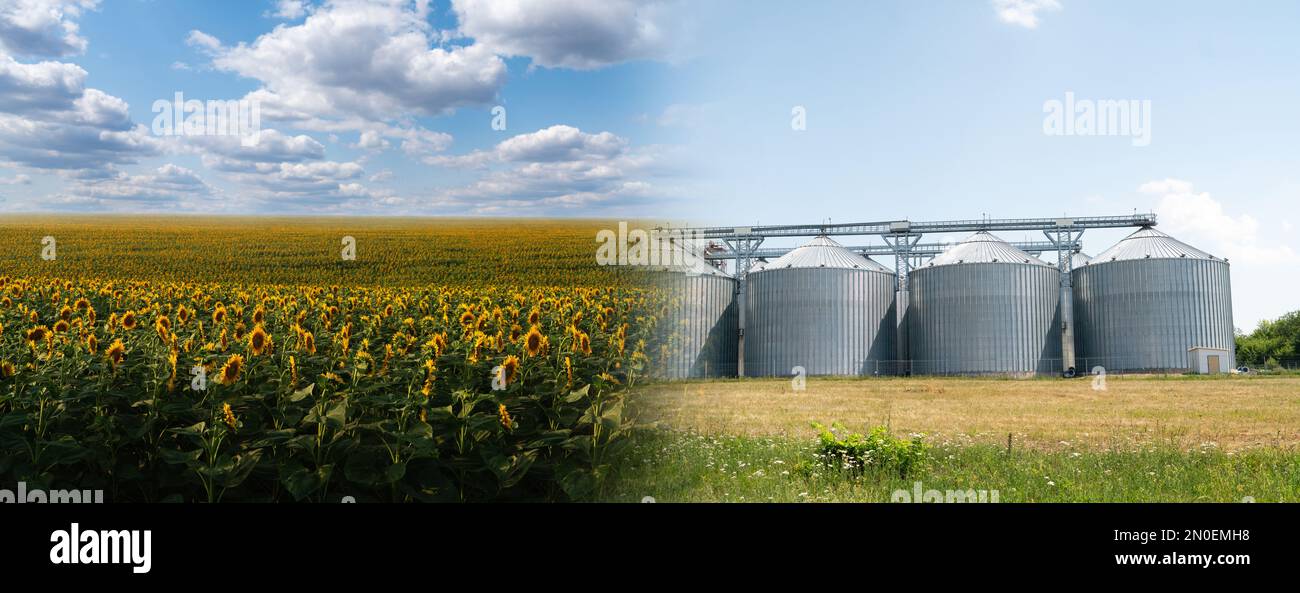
901,299
1067,326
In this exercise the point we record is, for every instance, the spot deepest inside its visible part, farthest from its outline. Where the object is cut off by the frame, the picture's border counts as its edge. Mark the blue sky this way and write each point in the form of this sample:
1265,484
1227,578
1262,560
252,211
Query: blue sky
672,110
934,111
367,107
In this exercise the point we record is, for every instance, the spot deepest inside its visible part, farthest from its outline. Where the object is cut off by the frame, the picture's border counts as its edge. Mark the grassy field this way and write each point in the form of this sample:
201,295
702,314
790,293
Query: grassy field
1230,413
1144,439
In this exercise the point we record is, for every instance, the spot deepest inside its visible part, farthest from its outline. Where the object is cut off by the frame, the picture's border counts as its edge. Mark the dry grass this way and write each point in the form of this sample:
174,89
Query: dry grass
1135,411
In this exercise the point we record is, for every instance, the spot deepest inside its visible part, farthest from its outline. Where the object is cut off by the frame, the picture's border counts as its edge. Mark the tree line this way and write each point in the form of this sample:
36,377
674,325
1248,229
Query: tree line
1274,343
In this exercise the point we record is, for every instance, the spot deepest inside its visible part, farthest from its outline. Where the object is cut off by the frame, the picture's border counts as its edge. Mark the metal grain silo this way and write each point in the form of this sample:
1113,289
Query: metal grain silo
985,307
823,308
1079,259
699,335
1143,303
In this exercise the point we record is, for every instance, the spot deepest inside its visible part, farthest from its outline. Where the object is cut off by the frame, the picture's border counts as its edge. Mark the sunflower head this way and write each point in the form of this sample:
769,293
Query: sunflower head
533,341
259,341
116,352
309,342
61,326
92,344
128,320
219,315
39,333
231,369
7,369
510,369
228,415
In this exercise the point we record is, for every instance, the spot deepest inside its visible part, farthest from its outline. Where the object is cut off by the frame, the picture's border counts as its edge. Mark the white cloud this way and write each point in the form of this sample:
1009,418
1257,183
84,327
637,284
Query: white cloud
558,168
42,27
169,184
373,60
580,34
290,10
272,146
554,144
19,179
1023,13
44,86
48,118
371,140
1200,220
203,41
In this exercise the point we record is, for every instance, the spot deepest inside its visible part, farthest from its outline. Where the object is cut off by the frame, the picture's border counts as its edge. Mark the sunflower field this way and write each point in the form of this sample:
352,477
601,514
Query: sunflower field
387,386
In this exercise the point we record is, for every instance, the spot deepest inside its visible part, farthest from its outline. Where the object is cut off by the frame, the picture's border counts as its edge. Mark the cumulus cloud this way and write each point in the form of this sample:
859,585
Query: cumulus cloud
272,146
291,10
557,168
203,41
1200,220
71,146
1023,13
42,27
168,185
376,60
49,119
558,143
44,86
579,34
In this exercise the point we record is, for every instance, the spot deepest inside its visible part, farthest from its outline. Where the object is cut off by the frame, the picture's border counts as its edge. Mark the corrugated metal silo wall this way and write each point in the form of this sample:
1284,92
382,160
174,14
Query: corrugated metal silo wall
1143,315
829,321
701,329
985,318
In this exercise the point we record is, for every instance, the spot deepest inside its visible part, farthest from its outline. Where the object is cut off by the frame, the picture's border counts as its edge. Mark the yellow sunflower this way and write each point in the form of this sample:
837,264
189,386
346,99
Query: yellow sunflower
39,333
116,352
228,415
230,370
534,341
259,341
510,369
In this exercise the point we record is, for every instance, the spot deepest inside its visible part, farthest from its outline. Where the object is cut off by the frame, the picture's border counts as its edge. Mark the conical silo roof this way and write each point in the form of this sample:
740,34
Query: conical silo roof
1079,259
823,252
1148,243
758,265
688,259
983,248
